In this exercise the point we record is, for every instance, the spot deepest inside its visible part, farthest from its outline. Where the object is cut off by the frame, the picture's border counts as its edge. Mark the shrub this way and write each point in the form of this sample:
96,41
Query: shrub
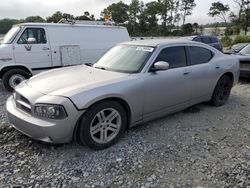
226,41
241,39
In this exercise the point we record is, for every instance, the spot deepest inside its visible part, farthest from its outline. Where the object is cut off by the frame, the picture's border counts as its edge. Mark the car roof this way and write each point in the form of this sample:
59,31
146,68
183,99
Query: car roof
159,42
67,25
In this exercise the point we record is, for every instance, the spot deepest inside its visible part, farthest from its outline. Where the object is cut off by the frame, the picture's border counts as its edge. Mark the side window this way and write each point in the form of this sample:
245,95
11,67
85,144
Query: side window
199,55
175,56
206,40
36,33
197,39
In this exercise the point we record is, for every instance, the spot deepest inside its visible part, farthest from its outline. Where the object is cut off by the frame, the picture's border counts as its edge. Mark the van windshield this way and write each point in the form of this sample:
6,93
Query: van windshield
10,36
125,58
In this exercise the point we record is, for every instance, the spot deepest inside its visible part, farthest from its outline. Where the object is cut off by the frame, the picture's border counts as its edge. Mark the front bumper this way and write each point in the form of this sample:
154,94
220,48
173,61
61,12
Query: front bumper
52,131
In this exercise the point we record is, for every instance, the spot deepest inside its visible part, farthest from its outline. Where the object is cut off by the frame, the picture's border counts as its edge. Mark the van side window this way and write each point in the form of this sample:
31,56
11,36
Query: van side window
199,55
175,56
36,33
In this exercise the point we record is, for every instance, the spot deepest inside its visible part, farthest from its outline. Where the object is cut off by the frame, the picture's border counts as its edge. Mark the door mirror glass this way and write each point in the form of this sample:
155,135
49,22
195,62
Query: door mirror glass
31,40
160,66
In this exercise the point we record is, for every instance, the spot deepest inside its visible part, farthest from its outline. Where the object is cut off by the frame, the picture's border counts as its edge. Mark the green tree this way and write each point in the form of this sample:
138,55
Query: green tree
186,8
220,10
164,8
134,10
188,29
174,11
68,16
151,11
34,19
148,18
55,17
118,12
6,24
85,16
196,27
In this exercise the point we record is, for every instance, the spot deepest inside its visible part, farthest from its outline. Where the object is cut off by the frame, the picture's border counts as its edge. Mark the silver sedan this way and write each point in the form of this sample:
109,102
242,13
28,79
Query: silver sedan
132,83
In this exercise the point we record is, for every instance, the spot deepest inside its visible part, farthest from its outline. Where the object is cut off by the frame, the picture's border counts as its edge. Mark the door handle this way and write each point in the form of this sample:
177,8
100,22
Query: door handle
186,73
217,67
45,48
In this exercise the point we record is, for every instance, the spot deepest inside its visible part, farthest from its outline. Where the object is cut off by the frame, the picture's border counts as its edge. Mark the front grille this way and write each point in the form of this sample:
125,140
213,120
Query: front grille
22,103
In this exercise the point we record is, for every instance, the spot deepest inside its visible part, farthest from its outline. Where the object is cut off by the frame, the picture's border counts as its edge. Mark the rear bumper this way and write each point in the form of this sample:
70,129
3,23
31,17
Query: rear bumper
52,131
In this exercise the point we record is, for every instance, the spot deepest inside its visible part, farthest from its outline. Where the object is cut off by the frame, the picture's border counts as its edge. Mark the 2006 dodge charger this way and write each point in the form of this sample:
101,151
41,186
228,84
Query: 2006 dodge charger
132,83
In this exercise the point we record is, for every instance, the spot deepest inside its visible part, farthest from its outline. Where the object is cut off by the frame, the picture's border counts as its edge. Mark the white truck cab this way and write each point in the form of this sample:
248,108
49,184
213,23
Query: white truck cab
30,48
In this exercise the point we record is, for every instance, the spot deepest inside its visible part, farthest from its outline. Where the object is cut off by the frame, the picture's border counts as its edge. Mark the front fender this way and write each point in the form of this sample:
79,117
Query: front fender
127,91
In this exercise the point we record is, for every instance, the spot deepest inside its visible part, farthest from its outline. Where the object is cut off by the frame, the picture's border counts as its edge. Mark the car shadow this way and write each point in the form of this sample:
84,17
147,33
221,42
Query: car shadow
244,80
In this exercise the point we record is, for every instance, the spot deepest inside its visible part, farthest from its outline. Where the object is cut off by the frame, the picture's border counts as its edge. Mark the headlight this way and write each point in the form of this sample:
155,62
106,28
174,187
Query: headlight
50,111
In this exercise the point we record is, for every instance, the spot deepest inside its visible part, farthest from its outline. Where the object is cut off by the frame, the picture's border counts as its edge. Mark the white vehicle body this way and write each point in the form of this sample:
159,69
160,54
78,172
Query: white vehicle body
56,45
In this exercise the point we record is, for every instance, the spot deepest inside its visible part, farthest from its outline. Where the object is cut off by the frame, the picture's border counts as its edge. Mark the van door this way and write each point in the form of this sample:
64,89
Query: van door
32,49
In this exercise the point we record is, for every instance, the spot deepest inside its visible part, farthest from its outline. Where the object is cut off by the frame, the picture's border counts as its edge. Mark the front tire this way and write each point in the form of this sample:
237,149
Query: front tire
102,125
14,77
222,91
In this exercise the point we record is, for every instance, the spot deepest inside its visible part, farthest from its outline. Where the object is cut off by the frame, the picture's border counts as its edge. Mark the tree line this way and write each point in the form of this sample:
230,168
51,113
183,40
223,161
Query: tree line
156,18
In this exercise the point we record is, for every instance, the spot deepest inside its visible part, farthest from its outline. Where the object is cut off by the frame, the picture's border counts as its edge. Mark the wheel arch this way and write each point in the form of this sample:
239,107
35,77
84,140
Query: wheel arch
7,68
230,75
121,101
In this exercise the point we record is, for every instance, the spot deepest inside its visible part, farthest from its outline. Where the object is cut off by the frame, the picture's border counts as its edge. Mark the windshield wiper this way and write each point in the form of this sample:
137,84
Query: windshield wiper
89,64
99,67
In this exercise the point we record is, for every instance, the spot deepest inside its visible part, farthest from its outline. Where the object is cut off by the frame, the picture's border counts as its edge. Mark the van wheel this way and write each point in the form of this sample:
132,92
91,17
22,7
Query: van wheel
222,91
14,77
102,125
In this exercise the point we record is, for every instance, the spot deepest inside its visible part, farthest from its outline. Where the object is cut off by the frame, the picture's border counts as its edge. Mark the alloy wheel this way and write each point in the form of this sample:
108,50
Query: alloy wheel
105,125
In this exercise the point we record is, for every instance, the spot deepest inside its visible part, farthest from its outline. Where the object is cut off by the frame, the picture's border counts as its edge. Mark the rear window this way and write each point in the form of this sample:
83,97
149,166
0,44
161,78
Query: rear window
197,39
206,40
214,40
199,55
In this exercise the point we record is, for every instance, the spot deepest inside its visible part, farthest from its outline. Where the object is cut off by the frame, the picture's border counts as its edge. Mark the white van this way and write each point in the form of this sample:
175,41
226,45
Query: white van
30,48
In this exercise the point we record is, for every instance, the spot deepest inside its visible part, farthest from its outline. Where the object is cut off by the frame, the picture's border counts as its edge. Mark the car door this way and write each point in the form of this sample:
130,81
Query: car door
166,90
200,61
36,54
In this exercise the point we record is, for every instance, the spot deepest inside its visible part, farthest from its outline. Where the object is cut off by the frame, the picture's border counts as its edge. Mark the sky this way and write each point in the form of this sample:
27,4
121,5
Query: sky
23,8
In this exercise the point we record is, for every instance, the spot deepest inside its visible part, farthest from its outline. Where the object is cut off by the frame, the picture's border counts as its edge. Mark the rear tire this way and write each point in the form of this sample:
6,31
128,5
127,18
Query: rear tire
222,91
14,77
102,125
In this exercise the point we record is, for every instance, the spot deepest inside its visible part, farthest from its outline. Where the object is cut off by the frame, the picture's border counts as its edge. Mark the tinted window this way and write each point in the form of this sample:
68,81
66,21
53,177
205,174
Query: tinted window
199,55
214,40
206,40
37,33
197,39
175,56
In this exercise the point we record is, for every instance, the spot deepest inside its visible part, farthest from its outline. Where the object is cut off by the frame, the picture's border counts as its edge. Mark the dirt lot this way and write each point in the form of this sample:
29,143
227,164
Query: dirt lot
203,146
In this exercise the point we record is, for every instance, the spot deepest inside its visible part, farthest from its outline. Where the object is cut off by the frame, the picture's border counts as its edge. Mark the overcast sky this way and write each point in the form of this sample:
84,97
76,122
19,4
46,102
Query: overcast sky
24,8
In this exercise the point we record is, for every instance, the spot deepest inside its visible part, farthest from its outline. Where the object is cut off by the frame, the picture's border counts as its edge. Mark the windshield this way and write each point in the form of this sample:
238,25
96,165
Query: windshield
10,36
238,47
245,50
125,58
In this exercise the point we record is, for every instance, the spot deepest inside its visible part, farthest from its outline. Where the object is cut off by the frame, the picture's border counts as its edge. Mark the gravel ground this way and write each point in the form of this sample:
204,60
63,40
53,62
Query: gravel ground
203,146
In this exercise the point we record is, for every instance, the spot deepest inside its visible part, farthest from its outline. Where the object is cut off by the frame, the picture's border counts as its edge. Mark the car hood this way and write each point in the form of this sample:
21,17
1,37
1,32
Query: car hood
70,80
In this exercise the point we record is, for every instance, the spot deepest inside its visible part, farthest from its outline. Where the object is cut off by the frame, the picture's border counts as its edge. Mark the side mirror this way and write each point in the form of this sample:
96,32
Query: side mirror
160,66
31,40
